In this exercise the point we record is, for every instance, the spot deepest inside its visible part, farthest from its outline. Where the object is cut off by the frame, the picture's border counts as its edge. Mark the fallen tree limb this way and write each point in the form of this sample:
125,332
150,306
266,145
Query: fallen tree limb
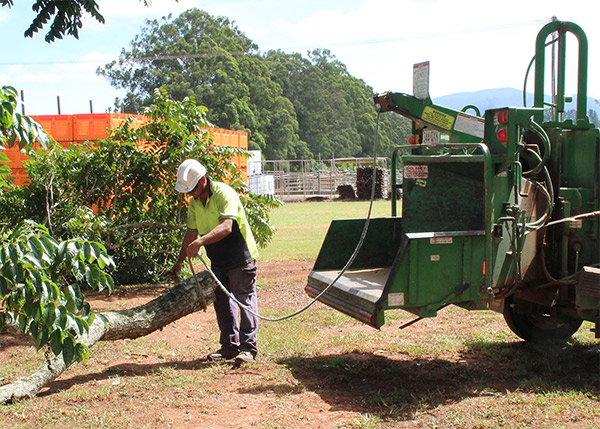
183,299
149,224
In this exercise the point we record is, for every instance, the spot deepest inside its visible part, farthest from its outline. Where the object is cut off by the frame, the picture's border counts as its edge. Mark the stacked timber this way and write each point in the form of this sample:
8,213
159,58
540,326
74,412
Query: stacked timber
346,192
364,182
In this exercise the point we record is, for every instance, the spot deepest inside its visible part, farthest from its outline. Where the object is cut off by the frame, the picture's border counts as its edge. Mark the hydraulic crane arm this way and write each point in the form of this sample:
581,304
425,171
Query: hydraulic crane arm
460,126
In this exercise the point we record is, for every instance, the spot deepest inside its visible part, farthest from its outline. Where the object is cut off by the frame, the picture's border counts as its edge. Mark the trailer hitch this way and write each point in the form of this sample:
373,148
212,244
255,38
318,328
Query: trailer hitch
430,307
418,319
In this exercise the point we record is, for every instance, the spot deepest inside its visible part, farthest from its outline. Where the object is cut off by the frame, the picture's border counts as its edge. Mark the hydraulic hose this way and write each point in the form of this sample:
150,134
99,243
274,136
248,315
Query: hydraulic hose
535,127
538,223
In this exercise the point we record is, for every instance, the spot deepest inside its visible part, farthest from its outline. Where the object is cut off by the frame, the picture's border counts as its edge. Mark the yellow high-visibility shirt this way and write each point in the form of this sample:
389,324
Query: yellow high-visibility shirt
222,203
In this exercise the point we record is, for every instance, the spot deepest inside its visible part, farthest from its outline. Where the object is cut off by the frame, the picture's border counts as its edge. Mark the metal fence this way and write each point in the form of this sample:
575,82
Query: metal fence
295,179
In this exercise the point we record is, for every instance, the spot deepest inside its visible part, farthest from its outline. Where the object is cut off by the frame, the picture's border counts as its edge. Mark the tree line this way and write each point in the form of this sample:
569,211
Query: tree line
292,106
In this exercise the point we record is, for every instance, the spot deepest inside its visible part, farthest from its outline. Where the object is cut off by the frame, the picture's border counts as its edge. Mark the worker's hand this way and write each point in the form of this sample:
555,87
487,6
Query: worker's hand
173,273
193,249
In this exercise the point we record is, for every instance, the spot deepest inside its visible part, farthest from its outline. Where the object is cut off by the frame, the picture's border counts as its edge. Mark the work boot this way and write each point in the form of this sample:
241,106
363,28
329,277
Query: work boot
222,354
244,357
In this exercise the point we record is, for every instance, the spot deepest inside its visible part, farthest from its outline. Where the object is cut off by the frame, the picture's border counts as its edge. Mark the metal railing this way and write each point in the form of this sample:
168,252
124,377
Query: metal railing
294,179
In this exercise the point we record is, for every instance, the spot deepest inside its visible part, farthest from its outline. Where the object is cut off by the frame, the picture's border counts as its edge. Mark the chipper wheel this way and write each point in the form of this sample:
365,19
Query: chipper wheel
538,323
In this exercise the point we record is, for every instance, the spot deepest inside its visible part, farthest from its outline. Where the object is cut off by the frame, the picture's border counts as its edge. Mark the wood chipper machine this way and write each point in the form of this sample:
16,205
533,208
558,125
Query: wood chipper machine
499,211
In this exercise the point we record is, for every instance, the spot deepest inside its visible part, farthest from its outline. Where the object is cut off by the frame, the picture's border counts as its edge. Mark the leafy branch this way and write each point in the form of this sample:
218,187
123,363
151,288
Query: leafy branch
35,293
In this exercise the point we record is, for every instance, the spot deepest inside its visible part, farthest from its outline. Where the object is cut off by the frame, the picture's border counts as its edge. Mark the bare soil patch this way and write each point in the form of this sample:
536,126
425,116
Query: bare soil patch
350,376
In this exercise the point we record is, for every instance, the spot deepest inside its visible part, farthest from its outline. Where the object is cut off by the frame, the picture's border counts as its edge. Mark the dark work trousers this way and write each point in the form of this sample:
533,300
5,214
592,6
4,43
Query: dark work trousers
237,332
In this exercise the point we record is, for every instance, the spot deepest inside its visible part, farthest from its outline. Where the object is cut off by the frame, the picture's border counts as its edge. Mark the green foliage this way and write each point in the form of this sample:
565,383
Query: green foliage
334,109
40,277
17,129
258,212
35,293
66,16
115,192
293,107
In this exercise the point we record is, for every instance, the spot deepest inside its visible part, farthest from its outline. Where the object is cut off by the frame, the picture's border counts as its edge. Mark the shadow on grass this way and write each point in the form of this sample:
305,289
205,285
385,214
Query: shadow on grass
396,386
395,389
8,340
133,369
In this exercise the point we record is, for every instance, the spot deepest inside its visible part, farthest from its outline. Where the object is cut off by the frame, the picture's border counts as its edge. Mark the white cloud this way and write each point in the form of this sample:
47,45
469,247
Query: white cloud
471,46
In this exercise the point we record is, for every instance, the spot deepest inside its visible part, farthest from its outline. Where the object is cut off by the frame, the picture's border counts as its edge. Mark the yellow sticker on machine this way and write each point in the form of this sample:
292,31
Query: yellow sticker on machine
438,118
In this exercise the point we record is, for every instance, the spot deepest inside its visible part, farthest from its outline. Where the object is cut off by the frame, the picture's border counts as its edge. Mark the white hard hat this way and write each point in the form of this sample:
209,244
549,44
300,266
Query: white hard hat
188,174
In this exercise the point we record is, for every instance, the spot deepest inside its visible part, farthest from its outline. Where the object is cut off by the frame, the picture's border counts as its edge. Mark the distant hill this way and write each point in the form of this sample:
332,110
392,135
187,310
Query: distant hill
494,98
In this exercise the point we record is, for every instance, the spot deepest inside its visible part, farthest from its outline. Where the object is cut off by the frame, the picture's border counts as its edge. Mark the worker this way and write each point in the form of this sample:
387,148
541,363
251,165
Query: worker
217,221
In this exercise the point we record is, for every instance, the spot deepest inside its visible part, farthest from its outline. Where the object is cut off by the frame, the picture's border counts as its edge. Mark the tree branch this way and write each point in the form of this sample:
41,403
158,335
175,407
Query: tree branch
148,225
183,299
131,237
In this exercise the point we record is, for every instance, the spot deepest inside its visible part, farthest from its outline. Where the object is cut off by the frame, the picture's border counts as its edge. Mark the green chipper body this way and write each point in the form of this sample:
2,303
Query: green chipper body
499,213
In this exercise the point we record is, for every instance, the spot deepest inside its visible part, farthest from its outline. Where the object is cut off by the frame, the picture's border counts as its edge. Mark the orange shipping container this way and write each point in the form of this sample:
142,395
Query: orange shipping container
20,176
60,127
235,139
96,126
74,129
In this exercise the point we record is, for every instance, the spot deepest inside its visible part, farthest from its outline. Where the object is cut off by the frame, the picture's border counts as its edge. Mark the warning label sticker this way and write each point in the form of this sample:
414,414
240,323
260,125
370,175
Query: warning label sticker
576,224
431,137
416,171
395,299
469,125
421,80
440,240
438,118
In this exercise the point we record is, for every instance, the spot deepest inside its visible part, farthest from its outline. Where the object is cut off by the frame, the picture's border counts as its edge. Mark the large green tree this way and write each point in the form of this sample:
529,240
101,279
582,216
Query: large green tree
293,107
316,87
207,57
334,109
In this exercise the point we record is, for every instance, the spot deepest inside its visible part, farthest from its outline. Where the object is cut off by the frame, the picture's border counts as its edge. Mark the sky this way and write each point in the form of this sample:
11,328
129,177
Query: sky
471,44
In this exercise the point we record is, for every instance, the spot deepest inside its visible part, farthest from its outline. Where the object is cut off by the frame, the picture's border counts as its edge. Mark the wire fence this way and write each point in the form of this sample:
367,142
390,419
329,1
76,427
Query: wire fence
301,179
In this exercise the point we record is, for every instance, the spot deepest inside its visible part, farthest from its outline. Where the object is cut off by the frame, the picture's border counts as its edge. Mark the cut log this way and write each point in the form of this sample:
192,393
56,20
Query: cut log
188,296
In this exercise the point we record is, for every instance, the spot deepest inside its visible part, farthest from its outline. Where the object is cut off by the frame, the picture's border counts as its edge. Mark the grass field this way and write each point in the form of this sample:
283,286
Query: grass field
301,227
322,369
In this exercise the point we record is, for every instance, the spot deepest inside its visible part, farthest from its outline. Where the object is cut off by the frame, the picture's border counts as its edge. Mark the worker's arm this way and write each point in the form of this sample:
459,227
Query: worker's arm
222,230
192,243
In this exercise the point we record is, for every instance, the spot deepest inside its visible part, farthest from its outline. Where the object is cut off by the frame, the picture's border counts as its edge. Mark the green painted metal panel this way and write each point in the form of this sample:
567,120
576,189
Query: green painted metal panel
577,164
379,248
438,269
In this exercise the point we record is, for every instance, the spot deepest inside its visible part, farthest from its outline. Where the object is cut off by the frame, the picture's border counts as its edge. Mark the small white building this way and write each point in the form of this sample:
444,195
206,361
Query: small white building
259,183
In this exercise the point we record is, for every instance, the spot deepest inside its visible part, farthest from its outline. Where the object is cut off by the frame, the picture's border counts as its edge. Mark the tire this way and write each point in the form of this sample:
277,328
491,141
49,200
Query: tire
538,323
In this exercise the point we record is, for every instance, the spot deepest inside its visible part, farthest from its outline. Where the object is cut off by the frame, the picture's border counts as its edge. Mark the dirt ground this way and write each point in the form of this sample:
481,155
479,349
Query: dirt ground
164,380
